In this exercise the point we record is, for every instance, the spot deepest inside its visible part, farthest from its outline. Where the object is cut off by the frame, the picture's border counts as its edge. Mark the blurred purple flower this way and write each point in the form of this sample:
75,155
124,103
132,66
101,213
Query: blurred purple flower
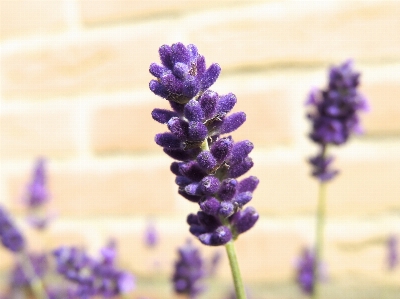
334,115
37,195
189,271
151,237
10,236
93,277
393,256
214,263
40,265
305,268
304,271
209,164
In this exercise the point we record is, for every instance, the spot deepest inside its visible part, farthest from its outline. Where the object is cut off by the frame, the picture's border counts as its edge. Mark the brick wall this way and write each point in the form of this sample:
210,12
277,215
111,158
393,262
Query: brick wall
74,89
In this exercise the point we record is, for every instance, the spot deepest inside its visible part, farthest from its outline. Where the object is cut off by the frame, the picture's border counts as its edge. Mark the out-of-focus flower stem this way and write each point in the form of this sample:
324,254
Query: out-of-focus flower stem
319,237
35,282
237,278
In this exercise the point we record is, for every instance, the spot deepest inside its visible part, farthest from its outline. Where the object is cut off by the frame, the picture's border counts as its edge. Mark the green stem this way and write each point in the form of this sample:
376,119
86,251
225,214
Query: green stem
34,281
319,237
237,278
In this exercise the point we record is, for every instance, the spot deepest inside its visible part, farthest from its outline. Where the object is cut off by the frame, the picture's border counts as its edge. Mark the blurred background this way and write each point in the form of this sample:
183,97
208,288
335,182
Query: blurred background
74,90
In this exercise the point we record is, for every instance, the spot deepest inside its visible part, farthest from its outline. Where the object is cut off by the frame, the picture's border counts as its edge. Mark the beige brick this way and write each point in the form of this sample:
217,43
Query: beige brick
367,184
94,61
290,33
38,131
21,17
268,106
121,187
385,111
94,12
128,126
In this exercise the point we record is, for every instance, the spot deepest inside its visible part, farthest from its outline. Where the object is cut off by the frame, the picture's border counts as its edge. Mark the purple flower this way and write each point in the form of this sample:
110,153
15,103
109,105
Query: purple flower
209,164
10,236
189,271
37,195
182,74
214,263
151,236
93,277
305,271
18,278
334,115
392,257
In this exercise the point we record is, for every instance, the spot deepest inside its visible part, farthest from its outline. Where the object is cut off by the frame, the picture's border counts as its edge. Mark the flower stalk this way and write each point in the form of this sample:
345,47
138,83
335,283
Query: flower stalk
35,282
234,265
319,237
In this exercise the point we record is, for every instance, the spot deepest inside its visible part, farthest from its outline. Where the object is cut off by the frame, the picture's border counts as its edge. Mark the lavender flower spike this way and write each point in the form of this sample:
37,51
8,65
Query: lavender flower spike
37,195
10,236
210,163
189,271
334,115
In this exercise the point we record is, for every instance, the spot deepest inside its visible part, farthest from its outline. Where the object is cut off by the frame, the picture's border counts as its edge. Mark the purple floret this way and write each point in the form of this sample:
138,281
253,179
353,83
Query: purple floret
305,271
37,195
183,74
189,271
334,114
10,236
93,277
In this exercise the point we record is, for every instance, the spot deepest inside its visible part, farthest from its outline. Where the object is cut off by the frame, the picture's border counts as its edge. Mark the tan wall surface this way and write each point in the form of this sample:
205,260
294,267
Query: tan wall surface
74,89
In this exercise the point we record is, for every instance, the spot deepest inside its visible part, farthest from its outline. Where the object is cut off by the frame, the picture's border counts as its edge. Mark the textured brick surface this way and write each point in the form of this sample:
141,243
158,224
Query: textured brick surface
286,187
117,188
33,132
382,87
21,17
127,127
94,61
94,12
295,32
74,88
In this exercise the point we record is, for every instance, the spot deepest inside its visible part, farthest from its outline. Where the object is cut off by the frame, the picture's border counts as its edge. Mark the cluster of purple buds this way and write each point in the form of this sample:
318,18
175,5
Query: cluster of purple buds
305,271
10,236
189,271
334,115
208,165
393,256
37,196
93,277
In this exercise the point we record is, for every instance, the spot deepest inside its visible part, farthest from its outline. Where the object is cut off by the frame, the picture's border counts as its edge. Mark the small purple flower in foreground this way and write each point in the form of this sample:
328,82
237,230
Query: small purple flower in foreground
304,271
393,257
334,115
189,271
37,195
304,267
40,265
208,165
10,236
93,277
